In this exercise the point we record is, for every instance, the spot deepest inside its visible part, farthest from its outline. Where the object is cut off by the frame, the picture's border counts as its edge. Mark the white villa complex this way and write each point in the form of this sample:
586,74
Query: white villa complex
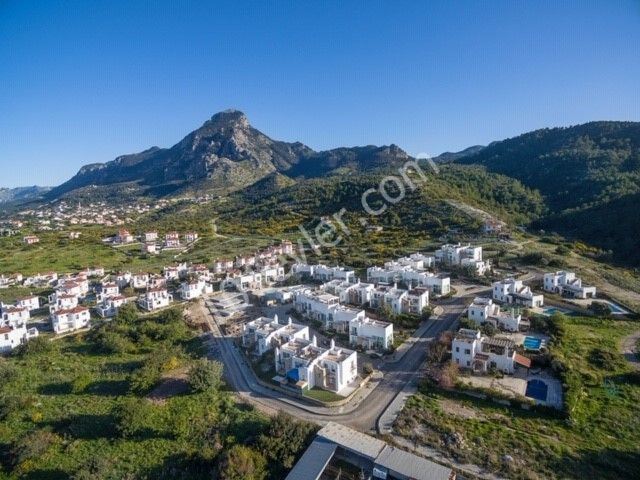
567,285
514,291
483,310
466,256
399,300
109,306
309,366
471,350
264,334
370,334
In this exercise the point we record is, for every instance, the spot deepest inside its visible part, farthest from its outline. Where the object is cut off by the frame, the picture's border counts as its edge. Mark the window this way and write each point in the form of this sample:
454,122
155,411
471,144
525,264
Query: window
457,349
468,363
467,351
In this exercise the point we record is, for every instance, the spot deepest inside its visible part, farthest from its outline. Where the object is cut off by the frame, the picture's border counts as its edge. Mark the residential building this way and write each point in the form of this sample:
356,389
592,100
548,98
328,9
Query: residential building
172,240
69,319
139,280
12,336
30,239
393,272
399,300
150,247
195,289
150,236
324,273
109,306
190,237
123,236
514,291
325,308
107,290
567,285
370,334
155,298
307,365
30,302
465,256
483,310
222,266
14,315
264,334
481,354
62,301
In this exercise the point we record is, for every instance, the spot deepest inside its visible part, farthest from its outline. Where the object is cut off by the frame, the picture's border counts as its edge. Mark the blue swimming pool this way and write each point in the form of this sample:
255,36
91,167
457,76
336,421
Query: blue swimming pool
532,343
537,389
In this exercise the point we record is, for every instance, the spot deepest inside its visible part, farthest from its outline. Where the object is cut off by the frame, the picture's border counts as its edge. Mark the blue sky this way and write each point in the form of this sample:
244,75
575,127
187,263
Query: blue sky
83,82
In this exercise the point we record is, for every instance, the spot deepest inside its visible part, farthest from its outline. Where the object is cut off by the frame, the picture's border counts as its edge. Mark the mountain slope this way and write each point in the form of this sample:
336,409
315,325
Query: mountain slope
588,174
18,194
225,154
572,167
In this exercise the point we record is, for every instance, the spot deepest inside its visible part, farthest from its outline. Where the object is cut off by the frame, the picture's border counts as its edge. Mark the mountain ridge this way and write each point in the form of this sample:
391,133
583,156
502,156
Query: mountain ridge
224,154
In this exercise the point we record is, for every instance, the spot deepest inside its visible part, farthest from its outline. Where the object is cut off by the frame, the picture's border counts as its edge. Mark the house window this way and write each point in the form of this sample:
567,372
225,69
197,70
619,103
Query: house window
467,351
457,349
468,363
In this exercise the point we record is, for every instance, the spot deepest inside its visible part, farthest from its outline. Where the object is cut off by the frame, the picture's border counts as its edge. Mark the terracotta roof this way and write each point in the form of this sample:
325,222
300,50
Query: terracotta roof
522,360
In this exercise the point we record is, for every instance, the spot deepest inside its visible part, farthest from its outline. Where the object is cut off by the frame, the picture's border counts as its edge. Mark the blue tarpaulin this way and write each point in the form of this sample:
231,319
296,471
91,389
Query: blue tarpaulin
293,374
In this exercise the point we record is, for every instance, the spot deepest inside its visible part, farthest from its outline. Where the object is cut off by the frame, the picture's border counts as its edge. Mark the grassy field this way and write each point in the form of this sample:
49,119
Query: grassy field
599,437
322,395
77,408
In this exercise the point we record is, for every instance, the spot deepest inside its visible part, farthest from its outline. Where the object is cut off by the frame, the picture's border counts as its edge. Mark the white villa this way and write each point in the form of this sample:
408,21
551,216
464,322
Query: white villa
14,315
370,334
567,285
399,300
416,261
12,336
323,272
514,291
69,319
109,306
358,293
30,302
458,255
58,301
483,310
195,289
308,365
473,351
139,280
326,308
107,290
394,272
267,333
155,298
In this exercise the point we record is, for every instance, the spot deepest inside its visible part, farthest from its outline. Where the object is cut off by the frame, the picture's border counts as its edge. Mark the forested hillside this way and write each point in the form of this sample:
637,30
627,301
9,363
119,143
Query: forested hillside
588,174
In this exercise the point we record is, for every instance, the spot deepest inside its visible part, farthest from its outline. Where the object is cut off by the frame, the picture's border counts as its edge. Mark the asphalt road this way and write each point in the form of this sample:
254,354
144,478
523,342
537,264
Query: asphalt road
362,417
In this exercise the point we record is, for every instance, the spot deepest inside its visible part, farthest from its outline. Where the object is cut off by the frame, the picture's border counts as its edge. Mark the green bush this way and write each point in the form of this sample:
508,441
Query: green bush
205,375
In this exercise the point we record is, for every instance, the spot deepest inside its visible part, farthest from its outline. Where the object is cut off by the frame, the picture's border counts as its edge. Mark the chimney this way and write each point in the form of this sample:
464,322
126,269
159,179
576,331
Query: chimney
289,321
333,344
314,341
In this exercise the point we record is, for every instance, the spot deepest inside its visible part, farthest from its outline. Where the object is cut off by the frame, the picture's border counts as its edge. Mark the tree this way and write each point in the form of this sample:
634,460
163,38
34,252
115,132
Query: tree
131,416
600,309
285,439
449,375
31,446
243,463
127,314
205,375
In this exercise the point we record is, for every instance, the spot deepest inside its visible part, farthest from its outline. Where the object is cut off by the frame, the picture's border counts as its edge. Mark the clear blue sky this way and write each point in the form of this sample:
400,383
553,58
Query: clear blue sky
85,81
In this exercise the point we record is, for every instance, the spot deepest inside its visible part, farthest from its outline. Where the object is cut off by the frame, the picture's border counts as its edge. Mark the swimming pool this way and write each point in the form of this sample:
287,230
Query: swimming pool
616,309
532,343
537,389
